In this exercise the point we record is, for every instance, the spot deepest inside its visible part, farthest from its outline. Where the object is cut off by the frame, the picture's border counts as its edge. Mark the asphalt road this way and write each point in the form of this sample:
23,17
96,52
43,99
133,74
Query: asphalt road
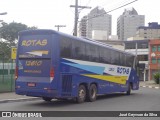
145,99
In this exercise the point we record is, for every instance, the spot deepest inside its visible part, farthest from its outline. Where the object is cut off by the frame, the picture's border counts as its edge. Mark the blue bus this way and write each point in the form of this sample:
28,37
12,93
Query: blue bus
54,65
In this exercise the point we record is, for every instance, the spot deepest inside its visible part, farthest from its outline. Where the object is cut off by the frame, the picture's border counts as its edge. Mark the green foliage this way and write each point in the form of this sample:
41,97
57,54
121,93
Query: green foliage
9,34
5,51
156,77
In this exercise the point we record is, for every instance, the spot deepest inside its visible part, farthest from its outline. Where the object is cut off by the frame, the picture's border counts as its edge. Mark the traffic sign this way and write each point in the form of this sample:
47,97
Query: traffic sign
13,53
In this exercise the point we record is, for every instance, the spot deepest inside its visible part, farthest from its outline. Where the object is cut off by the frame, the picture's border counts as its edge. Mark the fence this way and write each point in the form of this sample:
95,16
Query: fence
7,83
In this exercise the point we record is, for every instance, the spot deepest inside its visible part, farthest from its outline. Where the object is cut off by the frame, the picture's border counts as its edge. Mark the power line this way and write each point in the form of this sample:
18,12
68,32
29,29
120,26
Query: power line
112,10
115,3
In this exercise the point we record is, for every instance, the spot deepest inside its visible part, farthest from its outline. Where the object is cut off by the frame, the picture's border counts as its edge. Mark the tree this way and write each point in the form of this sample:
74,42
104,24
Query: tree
9,32
9,37
5,51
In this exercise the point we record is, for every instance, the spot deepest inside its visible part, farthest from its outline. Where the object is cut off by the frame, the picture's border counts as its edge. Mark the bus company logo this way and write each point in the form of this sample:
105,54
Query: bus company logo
34,42
6,114
122,70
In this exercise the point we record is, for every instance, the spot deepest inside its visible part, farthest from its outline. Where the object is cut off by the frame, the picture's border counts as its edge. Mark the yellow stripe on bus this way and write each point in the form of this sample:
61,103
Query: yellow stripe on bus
41,51
115,79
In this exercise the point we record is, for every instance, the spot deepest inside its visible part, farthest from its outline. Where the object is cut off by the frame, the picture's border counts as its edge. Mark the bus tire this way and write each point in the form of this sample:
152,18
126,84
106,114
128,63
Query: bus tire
81,94
47,99
128,92
92,93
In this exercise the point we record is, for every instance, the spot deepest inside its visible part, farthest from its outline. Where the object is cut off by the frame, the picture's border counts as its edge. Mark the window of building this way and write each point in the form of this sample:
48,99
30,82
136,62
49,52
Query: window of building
143,57
130,46
142,45
159,48
154,61
154,48
159,60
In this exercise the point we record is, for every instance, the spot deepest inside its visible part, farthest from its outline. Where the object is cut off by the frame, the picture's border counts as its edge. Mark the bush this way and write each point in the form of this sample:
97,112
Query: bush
156,78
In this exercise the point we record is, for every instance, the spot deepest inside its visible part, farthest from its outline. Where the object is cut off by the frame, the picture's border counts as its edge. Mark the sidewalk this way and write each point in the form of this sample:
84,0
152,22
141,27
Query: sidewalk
150,84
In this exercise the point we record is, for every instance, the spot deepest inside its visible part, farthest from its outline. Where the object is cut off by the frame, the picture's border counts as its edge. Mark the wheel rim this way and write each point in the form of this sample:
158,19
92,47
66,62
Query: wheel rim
93,93
82,94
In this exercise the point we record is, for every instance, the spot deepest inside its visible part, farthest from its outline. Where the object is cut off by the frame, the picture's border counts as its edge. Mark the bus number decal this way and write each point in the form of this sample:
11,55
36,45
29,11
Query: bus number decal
33,63
122,70
111,69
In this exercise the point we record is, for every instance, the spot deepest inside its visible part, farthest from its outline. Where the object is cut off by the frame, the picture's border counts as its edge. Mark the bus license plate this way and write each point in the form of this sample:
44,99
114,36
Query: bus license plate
31,84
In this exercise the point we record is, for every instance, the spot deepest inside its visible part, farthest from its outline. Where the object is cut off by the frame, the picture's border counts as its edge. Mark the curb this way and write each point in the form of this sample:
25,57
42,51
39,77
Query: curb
19,100
150,87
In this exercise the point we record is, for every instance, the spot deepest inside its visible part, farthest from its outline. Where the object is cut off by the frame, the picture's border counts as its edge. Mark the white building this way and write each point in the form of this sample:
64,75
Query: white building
82,27
152,31
99,35
113,37
97,19
128,22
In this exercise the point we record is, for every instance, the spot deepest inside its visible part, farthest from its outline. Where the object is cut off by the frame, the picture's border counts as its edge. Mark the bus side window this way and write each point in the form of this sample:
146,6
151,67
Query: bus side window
104,55
78,50
122,59
92,53
129,60
115,57
65,48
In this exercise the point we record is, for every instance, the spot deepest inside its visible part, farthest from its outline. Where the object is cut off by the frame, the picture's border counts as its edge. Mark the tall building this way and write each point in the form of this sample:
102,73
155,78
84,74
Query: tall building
152,31
96,20
128,22
82,27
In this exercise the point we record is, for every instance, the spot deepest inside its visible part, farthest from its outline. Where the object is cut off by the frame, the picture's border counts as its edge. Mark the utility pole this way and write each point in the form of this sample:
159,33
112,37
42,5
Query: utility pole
77,14
58,26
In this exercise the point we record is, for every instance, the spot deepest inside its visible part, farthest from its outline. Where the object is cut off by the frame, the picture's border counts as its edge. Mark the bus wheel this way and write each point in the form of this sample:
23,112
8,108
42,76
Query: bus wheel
47,99
81,94
129,89
92,93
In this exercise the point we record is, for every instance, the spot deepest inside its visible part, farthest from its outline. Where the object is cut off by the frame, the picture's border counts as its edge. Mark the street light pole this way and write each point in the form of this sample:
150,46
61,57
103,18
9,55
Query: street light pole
4,13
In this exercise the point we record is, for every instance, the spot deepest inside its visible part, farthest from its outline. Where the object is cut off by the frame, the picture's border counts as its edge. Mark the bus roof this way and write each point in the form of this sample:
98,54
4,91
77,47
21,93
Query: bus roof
91,41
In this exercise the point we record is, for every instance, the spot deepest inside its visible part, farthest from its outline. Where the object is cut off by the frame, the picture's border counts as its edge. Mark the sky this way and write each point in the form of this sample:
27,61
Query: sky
45,14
